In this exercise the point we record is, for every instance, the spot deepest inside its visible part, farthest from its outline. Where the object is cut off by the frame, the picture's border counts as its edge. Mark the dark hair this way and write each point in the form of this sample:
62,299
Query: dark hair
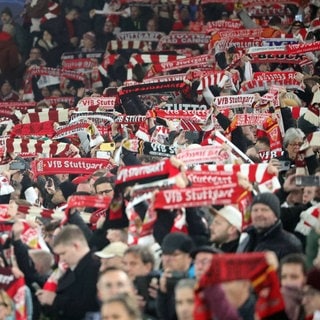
143,252
295,258
104,179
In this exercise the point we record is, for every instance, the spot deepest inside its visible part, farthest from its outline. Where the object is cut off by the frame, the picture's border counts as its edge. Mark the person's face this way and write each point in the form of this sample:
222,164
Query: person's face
114,311
111,262
293,148
114,235
262,216
67,254
108,27
308,194
134,266
5,18
104,189
311,300
292,275
113,283
84,187
220,229
177,261
294,196
202,263
6,88
184,301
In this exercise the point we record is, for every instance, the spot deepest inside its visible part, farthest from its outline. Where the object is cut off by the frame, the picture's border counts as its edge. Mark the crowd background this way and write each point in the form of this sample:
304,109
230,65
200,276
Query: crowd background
160,160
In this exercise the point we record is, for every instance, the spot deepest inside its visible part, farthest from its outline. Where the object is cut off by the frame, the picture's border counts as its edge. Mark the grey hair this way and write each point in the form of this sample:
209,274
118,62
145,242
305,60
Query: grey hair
185,283
291,135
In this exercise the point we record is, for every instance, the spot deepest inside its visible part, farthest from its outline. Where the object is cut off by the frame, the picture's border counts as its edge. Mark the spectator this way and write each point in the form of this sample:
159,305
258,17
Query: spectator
76,293
6,92
176,262
113,281
9,54
121,306
293,276
311,293
184,298
266,231
226,228
112,255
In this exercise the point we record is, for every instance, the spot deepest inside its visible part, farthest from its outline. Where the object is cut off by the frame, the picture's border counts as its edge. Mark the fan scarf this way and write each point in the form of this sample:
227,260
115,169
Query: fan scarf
129,175
49,166
15,288
59,115
47,147
152,36
94,103
198,196
149,148
251,266
205,154
252,3
255,172
199,61
308,219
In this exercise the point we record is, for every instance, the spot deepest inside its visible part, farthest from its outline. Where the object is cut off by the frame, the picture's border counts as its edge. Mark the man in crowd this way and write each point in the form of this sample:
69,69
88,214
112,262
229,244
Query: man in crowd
75,297
226,228
266,232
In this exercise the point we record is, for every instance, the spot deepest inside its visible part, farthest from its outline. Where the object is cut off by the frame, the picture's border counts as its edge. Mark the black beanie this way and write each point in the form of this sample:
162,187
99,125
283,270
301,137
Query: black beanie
270,200
67,188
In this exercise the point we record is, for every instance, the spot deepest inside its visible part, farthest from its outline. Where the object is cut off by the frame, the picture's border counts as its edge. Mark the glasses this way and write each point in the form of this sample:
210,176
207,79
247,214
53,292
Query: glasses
104,191
296,144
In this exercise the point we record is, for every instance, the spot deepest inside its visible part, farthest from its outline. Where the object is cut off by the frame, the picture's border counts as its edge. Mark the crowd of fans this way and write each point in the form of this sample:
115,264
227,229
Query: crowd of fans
160,160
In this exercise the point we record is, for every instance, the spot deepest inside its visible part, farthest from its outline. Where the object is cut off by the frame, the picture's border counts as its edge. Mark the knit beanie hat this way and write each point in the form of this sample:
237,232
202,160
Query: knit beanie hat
270,200
67,188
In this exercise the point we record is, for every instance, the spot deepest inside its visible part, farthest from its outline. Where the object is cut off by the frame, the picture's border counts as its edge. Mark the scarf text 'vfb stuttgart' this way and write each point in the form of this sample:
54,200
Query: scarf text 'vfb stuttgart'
49,166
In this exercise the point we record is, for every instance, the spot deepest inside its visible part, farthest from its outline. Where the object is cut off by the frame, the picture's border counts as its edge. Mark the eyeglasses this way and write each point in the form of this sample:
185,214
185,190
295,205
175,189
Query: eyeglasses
104,191
296,144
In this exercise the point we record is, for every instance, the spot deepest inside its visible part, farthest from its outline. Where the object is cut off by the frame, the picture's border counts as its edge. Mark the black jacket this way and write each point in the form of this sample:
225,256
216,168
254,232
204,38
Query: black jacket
76,292
274,239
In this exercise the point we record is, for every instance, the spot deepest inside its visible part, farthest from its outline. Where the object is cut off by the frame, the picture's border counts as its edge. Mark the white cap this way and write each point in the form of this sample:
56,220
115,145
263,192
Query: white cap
232,215
114,249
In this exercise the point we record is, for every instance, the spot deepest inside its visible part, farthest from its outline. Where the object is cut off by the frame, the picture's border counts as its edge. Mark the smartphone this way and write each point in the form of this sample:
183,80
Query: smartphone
17,165
35,286
142,283
284,165
103,154
107,146
304,181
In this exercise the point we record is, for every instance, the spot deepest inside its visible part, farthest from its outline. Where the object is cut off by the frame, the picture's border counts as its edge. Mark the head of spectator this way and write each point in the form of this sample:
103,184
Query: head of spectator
226,228
50,230
7,92
88,42
6,16
176,248
202,258
35,58
43,261
262,144
103,186
292,141
5,190
293,270
265,210
113,281
70,245
184,299
112,255
114,235
121,306
311,292
65,190
308,194
138,260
